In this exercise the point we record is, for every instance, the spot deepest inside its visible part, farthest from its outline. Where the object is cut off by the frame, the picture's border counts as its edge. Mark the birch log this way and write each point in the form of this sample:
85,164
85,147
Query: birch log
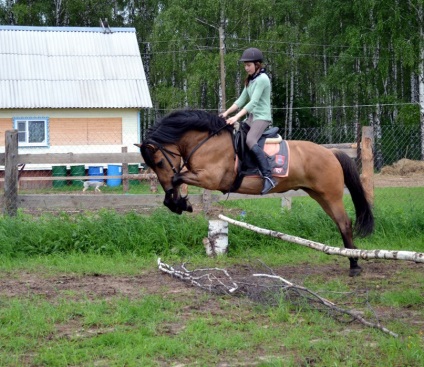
417,257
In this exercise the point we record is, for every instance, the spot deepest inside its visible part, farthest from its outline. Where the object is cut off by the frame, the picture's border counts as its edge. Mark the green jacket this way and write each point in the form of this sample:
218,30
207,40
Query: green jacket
258,95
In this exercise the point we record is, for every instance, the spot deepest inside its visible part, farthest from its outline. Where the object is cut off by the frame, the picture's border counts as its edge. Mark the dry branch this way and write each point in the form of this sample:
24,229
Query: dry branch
267,291
417,257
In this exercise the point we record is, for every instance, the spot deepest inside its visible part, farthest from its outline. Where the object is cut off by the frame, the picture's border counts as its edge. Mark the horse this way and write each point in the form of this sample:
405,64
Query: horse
196,148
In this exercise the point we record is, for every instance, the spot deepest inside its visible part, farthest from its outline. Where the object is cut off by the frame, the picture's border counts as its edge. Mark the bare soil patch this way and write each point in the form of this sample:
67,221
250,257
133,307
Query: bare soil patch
380,275
26,284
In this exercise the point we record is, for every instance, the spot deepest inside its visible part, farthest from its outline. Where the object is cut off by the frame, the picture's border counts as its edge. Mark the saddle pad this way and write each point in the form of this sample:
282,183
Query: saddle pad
279,158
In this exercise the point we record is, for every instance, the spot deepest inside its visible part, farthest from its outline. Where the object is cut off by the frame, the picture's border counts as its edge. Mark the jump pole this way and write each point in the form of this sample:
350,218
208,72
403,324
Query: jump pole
417,257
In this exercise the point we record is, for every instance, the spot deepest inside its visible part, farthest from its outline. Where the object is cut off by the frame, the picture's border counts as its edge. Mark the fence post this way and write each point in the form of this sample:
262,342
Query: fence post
206,200
11,172
367,157
125,181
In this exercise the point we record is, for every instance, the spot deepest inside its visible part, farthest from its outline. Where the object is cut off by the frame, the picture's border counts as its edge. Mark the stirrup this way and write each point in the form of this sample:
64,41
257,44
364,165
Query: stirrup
269,184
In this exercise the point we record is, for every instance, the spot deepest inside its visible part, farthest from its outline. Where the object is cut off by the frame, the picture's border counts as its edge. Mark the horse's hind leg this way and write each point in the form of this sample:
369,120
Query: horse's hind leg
336,211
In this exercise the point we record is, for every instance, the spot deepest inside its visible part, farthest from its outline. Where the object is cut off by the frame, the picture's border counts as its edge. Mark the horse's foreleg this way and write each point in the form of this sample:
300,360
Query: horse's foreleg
201,178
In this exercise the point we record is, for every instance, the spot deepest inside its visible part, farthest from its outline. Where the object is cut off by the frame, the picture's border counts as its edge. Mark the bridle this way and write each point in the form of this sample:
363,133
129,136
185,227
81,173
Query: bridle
167,153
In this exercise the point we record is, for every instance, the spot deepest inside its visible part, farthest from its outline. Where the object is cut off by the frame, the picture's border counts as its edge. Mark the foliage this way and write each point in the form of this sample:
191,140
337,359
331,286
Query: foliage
344,56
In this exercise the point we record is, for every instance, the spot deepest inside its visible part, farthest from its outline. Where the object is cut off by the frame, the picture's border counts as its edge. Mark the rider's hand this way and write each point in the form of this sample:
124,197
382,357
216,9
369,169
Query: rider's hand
231,120
223,115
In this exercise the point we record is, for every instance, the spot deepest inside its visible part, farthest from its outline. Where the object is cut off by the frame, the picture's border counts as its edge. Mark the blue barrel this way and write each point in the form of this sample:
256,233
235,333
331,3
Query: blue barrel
114,170
95,171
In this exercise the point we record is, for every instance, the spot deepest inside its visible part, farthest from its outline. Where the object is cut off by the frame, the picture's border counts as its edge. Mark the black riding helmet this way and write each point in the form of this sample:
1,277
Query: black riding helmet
251,55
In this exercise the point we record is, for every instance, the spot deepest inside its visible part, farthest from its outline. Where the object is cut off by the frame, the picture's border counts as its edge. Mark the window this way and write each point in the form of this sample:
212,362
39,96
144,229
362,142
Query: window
32,132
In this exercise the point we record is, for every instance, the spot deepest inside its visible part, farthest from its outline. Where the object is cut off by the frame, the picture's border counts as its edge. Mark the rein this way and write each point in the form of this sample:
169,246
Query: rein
166,151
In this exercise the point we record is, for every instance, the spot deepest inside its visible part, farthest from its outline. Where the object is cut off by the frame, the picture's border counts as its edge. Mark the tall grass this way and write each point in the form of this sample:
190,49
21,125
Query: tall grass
399,225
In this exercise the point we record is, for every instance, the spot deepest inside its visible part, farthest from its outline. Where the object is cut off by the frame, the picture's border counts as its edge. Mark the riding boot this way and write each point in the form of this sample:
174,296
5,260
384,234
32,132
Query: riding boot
264,167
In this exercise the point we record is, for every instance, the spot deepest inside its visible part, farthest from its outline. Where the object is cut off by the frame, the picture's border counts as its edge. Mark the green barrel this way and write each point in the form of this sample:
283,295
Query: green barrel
59,171
133,168
77,171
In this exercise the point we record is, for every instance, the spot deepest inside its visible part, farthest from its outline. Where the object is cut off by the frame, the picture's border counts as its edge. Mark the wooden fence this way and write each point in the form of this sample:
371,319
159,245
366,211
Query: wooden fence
12,200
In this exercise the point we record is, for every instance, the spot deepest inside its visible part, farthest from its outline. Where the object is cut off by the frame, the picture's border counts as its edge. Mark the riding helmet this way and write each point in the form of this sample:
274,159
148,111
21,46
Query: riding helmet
252,54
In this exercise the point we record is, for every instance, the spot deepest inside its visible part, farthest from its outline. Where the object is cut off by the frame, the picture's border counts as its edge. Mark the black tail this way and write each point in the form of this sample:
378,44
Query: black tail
364,224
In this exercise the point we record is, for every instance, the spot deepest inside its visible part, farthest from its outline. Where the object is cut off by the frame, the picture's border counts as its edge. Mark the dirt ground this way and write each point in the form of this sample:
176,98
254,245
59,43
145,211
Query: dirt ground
376,276
100,286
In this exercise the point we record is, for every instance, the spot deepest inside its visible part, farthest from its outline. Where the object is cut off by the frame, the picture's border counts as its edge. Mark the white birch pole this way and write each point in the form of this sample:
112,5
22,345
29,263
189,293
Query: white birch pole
417,257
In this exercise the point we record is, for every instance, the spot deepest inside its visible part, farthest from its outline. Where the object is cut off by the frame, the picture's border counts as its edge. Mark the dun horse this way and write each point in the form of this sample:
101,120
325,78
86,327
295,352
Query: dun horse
196,148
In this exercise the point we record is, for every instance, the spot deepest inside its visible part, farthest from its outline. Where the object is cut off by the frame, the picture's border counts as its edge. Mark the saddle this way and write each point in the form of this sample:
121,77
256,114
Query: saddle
273,145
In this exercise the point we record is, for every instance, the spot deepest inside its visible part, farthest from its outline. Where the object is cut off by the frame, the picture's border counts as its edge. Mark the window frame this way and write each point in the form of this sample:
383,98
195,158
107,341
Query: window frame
27,120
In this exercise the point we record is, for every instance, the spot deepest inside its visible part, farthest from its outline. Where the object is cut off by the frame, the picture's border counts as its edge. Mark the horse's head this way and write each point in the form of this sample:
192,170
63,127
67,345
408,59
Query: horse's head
161,153
166,163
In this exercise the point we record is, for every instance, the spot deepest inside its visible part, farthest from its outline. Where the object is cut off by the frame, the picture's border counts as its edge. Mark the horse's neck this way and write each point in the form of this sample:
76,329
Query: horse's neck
215,156
203,144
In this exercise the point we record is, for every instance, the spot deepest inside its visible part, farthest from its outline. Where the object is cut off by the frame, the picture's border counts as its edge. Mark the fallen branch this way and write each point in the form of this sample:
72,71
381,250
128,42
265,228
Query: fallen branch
219,281
210,281
417,257
329,304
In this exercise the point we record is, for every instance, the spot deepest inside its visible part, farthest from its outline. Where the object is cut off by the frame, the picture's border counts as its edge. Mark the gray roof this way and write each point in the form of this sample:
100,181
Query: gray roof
71,67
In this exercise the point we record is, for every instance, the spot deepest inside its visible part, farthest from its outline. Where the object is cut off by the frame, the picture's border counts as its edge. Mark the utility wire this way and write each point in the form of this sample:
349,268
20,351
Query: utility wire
352,106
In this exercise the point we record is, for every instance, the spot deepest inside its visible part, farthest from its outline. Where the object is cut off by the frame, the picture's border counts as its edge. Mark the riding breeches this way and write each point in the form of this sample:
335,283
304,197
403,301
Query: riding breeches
257,127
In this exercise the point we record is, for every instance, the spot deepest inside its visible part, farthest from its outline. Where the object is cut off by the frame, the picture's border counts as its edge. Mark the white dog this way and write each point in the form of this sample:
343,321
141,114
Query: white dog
95,184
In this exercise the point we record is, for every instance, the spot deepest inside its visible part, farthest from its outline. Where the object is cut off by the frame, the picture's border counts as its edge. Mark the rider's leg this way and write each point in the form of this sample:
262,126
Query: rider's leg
256,129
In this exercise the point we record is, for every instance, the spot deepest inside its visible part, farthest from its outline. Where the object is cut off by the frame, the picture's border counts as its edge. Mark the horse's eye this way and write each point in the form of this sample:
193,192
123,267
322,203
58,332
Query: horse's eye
159,164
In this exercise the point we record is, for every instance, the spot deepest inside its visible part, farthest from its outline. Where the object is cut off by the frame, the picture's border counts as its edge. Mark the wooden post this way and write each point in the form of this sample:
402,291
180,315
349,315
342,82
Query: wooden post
206,200
222,67
125,181
11,173
367,157
286,202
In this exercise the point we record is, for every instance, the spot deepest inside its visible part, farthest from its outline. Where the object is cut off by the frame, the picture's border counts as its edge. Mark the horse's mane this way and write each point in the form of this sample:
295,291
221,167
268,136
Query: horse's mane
173,126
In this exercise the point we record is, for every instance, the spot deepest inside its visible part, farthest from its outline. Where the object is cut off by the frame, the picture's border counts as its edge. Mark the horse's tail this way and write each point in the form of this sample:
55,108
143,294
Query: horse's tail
364,224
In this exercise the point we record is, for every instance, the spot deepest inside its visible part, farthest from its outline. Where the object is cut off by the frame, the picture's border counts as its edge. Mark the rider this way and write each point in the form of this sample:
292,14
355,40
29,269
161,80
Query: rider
255,101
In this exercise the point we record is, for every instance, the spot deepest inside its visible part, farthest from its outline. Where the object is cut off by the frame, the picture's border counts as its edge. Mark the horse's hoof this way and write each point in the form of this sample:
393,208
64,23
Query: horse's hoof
354,272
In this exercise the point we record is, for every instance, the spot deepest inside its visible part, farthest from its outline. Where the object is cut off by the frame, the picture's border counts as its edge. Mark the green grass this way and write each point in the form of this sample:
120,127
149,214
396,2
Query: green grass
195,328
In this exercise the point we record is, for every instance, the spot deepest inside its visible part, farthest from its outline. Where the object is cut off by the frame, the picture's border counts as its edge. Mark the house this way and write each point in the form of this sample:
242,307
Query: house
71,89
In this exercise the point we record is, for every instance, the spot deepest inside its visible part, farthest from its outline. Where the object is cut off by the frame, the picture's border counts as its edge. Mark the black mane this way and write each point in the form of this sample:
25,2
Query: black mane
174,125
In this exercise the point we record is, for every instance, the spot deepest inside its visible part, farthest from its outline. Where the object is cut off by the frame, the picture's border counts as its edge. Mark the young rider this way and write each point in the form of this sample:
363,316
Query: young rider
255,101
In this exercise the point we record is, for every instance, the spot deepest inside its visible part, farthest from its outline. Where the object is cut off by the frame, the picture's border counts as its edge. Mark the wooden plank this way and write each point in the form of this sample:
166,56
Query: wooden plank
88,201
132,176
93,201
348,148
72,158
88,158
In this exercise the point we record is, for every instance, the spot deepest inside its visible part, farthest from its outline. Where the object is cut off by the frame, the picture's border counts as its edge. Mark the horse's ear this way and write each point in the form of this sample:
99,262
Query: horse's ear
151,147
137,145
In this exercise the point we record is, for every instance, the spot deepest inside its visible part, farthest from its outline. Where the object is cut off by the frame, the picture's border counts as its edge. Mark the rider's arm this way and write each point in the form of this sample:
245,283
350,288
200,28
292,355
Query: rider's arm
237,116
232,109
